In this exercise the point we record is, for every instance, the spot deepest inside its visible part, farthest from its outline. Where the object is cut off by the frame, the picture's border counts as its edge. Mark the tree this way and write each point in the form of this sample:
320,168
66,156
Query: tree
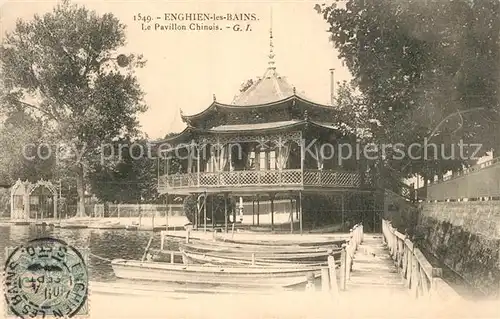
425,70
65,61
21,158
132,175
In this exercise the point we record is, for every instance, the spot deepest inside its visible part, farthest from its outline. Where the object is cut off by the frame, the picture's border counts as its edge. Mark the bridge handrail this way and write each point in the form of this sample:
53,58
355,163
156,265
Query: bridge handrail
421,278
348,251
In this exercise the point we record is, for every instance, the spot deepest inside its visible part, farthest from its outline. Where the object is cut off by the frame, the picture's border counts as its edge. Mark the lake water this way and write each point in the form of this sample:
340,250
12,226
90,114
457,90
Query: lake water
110,244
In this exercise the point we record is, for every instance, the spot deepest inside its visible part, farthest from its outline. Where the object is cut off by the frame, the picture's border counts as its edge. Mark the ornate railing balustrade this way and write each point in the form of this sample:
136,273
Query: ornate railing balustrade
287,177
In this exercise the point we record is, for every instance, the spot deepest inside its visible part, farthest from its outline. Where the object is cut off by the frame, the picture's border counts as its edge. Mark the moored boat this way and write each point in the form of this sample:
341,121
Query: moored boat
286,243
218,259
209,274
72,225
107,225
290,256
21,222
207,246
269,246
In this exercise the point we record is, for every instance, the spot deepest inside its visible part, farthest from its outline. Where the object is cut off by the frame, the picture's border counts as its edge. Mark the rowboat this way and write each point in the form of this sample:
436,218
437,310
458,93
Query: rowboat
218,259
280,247
21,222
206,246
287,243
295,257
72,225
208,274
107,225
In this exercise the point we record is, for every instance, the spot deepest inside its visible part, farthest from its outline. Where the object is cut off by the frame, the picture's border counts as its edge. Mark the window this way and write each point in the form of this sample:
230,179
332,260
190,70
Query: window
272,160
251,160
262,161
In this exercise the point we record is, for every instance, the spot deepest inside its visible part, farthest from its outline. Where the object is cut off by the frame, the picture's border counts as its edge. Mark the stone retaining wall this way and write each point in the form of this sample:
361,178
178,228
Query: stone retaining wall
465,236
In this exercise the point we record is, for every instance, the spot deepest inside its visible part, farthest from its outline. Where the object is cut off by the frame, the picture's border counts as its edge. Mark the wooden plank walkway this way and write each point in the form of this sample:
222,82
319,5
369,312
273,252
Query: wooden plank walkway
375,283
373,267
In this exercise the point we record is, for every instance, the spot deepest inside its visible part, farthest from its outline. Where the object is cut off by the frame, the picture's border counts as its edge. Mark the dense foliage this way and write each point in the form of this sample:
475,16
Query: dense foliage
128,176
60,68
424,70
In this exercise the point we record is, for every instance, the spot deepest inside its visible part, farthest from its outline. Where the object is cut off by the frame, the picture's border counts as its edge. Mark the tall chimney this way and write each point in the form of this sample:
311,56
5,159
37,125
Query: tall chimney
332,87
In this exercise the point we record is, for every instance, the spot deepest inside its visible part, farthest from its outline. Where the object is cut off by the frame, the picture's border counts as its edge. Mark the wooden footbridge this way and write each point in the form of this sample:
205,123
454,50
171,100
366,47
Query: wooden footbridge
385,275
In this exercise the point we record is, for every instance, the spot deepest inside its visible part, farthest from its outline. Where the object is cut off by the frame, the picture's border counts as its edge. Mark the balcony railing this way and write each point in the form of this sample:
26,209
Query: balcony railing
289,177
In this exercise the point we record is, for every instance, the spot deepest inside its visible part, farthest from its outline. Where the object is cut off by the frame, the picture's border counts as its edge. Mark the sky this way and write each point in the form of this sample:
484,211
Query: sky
186,68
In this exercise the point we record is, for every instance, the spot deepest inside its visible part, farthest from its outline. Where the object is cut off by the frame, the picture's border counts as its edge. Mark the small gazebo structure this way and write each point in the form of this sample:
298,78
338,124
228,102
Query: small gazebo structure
33,200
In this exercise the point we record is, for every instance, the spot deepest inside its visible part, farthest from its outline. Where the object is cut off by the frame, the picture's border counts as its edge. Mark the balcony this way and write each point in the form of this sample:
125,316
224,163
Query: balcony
293,178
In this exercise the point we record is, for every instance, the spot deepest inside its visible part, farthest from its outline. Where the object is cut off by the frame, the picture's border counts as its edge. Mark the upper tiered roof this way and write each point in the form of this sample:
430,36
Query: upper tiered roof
270,103
270,88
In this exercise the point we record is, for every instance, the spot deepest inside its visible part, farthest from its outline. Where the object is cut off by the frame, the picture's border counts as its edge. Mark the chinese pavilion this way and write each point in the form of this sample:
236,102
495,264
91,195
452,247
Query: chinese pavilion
270,143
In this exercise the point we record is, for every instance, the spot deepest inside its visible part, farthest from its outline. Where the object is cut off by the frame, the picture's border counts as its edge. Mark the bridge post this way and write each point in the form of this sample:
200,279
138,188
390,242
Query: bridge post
343,265
333,276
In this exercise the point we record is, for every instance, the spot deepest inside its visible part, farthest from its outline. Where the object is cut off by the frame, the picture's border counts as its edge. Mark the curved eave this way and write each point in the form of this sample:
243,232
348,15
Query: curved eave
277,129
257,130
186,133
216,104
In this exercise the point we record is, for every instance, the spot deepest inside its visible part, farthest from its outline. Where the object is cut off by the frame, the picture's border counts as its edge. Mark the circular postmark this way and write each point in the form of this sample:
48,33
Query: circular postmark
46,277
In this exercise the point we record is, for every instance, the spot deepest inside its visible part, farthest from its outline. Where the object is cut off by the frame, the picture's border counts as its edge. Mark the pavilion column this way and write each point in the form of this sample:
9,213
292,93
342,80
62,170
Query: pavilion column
302,158
234,215
225,211
342,211
166,211
253,211
190,159
205,212
300,212
291,215
198,165
271,196
296,209
258,210
213,215
196,215
240,209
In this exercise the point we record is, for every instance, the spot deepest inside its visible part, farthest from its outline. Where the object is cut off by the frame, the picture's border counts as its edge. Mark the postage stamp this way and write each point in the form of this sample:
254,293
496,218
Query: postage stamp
46,277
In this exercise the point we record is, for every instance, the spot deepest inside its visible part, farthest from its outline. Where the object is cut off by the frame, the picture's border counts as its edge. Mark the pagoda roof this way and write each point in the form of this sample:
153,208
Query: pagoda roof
217,106
271,87
186,134
269,91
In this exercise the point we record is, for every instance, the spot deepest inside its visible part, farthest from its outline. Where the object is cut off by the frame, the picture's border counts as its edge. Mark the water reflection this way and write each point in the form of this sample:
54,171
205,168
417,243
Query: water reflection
108,244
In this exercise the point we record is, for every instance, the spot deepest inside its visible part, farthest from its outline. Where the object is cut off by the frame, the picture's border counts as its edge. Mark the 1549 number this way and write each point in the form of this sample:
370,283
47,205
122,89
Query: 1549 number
142,18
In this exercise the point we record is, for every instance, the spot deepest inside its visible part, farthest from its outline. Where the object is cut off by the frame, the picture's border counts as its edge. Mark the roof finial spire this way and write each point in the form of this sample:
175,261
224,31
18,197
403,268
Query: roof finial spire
271,45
